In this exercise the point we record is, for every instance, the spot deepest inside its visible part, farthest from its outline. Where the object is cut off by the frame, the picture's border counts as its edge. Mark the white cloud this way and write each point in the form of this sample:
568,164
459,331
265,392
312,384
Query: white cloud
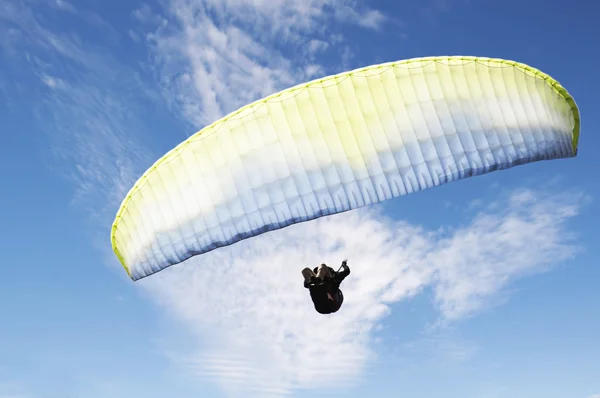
316,46
62,4
372,19
525,237
133,36
54,82
248,302
314,70
215,56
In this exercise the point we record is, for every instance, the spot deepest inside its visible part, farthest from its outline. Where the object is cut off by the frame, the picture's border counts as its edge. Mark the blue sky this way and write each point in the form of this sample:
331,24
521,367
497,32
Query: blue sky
486,288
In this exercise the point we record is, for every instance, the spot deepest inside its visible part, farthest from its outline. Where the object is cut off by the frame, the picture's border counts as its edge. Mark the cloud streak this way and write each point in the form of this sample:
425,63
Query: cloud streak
82,100
215,56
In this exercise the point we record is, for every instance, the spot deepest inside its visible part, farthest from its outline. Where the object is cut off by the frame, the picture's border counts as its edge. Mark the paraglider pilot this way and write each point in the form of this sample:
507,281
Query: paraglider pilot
324,286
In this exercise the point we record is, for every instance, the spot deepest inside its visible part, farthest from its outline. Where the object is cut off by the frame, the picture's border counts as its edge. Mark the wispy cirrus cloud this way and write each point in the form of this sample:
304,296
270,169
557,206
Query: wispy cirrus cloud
215,56
248,301
81,94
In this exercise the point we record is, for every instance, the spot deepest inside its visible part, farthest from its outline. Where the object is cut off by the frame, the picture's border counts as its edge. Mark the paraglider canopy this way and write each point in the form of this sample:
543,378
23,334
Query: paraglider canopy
337,144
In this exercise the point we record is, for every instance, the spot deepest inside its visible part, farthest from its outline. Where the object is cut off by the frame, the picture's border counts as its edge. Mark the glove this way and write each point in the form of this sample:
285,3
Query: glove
345,266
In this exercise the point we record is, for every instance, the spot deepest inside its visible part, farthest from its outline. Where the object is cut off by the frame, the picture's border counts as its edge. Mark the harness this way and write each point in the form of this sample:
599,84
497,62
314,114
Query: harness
333,294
